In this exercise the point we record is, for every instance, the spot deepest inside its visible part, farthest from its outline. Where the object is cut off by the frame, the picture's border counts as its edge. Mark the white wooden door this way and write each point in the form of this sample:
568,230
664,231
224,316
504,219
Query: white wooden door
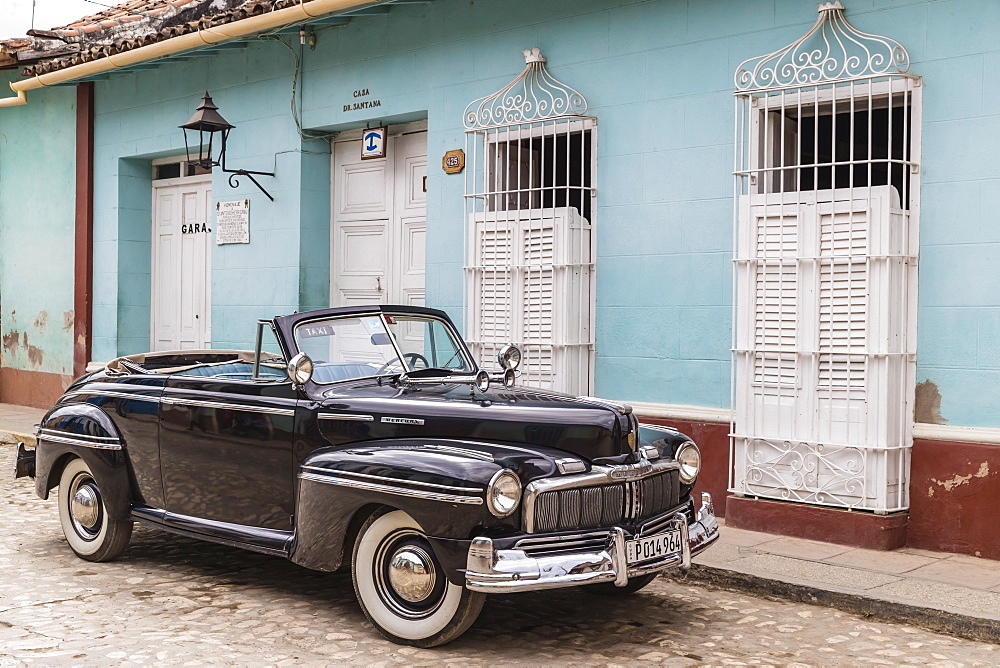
379,223
181,280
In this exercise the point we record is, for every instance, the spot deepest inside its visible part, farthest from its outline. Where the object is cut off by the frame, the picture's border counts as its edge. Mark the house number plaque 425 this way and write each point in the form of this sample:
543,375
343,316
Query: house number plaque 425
453,162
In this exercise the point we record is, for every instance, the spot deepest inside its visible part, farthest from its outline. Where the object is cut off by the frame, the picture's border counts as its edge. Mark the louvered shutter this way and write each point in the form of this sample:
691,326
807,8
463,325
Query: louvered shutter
822,364
537,243
491,303
535,291
775,300
843,301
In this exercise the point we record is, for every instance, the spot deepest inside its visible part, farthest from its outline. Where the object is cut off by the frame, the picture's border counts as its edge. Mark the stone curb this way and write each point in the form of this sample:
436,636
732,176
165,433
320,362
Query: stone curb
982,629
13,438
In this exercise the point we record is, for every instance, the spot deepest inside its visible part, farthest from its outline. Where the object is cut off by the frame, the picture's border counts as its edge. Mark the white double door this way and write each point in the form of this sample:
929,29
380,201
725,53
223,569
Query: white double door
379,223
182,264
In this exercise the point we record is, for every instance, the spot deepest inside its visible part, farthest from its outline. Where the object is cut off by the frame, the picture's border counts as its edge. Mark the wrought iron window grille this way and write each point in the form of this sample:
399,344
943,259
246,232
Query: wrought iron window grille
535,95
826,201
531,207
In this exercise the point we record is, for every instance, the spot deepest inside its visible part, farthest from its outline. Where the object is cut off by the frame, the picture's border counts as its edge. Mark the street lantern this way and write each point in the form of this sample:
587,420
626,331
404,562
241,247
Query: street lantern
207,121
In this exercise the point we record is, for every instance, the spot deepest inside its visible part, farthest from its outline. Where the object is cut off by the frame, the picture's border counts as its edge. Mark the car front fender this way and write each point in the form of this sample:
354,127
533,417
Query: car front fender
440,483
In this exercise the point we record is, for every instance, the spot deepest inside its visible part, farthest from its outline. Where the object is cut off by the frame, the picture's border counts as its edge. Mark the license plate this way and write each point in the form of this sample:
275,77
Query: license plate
654,547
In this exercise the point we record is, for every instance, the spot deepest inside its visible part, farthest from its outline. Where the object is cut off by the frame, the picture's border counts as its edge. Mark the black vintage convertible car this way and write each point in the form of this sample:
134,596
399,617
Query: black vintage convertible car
368,438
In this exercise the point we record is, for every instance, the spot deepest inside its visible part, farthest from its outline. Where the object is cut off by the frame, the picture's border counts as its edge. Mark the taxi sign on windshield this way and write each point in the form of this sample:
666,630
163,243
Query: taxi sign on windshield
313,331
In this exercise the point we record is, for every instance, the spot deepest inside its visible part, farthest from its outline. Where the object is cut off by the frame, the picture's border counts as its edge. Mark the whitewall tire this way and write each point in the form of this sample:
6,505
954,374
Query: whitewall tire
84,517
403,589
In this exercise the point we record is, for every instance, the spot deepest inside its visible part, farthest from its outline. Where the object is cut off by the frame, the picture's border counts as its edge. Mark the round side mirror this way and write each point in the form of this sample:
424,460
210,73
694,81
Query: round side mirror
509,357
300,369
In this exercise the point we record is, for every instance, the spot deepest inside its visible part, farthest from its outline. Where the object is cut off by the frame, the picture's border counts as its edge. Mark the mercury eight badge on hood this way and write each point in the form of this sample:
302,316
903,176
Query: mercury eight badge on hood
368,438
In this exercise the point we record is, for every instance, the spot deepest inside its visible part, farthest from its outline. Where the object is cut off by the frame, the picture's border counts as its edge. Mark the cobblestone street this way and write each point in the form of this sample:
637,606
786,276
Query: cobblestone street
172,600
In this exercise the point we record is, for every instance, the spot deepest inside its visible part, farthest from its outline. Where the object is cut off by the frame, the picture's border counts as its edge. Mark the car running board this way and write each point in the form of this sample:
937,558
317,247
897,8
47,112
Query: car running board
256,539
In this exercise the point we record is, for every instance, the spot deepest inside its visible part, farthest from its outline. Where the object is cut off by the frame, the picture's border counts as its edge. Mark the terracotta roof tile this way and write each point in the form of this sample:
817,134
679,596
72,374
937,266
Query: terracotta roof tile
127,26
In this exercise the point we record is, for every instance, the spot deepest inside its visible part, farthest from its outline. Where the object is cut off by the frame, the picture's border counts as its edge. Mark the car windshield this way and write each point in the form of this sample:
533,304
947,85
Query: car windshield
359,347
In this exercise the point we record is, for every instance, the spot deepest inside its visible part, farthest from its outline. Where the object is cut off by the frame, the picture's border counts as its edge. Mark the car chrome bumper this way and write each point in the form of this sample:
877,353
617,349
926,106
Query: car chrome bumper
503,571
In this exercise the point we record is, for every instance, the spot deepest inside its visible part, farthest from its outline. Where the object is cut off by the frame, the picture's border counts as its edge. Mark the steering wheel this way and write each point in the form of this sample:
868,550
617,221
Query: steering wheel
410,357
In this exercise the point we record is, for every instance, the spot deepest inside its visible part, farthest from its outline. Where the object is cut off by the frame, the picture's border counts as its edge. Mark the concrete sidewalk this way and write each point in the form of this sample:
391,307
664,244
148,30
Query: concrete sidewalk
952,593
17,423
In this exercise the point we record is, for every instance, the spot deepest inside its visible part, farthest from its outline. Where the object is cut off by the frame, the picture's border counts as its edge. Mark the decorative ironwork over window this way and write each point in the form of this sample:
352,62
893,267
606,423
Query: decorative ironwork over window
535,95
827,186
832,50
530,226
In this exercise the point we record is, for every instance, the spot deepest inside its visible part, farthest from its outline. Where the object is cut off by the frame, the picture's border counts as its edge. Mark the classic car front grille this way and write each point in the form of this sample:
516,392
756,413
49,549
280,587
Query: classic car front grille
657,524
547,546
595,541
605,505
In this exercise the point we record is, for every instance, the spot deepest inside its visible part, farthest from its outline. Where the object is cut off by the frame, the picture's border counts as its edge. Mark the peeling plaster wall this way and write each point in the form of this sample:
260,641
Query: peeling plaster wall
37,194
954,488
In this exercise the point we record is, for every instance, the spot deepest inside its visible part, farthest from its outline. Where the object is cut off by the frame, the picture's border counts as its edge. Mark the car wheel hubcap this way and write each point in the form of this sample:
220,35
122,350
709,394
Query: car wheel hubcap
412,574
407,578
85,507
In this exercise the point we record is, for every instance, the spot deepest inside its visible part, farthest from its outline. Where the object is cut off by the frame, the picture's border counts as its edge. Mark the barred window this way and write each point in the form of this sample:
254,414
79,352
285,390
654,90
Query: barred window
827,144
530,223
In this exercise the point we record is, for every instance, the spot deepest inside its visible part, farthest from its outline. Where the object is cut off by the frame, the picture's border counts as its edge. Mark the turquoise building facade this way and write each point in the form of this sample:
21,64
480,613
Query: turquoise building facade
659,79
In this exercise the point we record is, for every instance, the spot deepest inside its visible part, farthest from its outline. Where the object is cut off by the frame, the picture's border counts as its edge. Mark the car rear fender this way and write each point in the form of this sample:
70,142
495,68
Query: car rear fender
84,431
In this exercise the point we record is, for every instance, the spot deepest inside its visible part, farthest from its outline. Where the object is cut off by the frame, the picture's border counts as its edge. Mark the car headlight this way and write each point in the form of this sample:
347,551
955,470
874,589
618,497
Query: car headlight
300,369
689,457
503,494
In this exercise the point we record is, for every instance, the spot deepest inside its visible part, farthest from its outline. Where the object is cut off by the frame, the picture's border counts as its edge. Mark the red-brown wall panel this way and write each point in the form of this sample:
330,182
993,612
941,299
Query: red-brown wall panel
955,498
713,441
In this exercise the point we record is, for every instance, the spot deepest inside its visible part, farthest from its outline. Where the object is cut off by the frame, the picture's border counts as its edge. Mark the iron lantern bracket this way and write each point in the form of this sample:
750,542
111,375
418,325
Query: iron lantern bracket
233,173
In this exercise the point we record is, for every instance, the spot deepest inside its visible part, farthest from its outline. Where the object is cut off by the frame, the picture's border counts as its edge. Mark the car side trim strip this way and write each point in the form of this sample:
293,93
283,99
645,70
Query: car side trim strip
386,479
390,489
75,439
200,403
84,437
345,416
475,454
113,394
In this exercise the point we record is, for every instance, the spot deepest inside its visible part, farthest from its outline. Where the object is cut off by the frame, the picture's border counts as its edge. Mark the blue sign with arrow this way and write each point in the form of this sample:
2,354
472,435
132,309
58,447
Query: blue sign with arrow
373,143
